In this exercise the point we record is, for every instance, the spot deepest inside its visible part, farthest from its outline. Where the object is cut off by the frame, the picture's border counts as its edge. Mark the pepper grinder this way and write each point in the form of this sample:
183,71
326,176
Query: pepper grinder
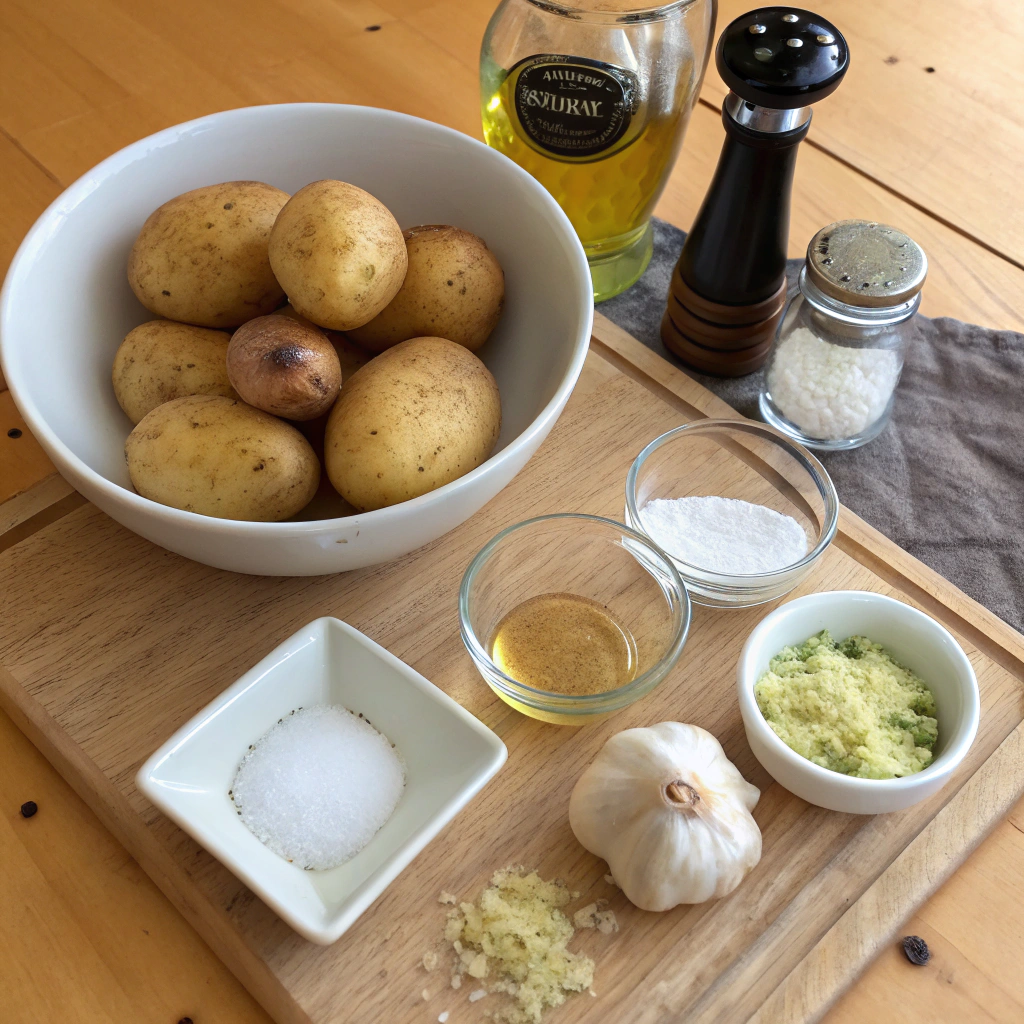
728,289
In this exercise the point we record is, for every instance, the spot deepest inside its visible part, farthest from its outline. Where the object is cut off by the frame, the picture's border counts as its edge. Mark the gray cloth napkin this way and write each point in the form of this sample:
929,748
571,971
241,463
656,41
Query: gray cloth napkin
945,479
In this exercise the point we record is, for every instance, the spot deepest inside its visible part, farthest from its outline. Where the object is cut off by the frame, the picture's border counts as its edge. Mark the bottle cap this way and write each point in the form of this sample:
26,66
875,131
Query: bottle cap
864,263
782,57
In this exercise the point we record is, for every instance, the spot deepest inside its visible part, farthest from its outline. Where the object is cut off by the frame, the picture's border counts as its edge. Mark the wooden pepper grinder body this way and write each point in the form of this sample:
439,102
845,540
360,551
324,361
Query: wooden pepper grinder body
729,287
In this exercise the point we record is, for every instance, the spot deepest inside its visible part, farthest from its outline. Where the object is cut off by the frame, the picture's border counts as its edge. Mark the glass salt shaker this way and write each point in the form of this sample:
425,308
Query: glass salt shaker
838,354
592,97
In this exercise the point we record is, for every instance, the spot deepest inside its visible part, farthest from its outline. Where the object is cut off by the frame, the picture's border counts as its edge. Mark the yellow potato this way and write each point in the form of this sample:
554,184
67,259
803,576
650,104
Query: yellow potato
338,253
418,416
454,288
202,257
163,360
222,458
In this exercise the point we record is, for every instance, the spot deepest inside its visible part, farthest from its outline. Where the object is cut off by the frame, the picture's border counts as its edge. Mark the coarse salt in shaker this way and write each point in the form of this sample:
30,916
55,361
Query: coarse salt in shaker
838,354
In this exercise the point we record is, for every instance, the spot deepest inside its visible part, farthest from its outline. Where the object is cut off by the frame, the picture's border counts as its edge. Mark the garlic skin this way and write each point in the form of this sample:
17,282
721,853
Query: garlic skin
670,813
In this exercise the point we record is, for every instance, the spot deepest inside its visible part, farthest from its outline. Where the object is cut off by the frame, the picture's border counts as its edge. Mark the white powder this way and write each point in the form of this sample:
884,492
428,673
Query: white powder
724,535
829,391
318,786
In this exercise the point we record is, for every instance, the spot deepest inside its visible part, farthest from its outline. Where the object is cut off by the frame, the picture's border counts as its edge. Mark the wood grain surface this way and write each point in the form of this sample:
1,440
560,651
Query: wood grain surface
926,108
77,81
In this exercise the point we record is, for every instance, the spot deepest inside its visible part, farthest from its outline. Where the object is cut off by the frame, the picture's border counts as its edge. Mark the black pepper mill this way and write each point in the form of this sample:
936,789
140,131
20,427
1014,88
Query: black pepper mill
729,286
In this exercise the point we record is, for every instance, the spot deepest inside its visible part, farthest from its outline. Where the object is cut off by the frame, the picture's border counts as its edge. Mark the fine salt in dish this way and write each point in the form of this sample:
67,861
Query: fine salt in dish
724,535
318,786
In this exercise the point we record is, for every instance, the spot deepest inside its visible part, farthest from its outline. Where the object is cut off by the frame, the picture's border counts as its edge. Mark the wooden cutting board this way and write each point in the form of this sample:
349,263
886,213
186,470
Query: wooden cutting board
108,644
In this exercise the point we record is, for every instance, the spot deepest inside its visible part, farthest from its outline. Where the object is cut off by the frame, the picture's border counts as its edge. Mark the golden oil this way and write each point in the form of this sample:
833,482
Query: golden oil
565,644
609,196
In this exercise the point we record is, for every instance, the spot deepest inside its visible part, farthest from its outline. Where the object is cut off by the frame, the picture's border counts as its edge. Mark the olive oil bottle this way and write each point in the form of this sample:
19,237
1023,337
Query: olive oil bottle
593,100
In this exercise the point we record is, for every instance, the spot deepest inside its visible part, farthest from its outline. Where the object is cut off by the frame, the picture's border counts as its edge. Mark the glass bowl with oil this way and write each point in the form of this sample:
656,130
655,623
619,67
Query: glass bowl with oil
571,617
747,462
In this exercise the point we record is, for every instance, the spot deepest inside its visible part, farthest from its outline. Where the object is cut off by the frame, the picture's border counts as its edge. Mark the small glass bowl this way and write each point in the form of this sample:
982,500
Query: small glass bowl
591,557
737,459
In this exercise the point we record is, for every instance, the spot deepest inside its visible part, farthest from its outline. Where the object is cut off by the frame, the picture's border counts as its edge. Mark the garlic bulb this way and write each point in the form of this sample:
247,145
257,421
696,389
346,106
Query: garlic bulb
670,813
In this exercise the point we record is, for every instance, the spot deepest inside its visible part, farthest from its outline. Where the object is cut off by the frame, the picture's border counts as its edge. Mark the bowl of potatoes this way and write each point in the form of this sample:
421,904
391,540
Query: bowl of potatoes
296,339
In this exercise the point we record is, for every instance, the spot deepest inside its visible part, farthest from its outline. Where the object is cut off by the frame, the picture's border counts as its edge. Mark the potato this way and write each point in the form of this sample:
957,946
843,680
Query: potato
285,367
202,257
350,355
338,253
162,360
220,457
314,431
454,288
418,416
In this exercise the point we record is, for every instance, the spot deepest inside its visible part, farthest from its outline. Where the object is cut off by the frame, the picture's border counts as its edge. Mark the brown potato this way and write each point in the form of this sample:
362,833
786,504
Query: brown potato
350,355
201,258
163,360
418,416
338,253
284,367
454,288
222,458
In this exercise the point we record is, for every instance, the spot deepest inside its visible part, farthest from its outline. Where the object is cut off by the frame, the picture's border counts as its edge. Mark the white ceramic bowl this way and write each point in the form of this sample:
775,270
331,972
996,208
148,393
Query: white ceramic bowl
449,756
915,640
66,306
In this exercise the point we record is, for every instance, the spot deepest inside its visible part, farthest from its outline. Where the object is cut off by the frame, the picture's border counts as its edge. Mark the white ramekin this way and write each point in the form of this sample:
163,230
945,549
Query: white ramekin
915,640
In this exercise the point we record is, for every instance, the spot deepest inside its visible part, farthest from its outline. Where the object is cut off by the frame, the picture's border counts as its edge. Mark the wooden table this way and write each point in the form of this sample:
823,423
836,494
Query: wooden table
923,134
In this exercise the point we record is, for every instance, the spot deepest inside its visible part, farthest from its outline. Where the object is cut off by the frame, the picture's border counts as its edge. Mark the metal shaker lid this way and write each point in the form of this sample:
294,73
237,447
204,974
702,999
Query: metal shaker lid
864,263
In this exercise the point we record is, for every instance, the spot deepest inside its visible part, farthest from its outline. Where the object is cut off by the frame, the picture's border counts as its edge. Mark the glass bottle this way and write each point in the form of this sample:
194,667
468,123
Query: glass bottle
831,379
592,97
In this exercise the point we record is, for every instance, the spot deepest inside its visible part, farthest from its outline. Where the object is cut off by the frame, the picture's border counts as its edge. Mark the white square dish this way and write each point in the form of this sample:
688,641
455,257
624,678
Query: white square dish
449,757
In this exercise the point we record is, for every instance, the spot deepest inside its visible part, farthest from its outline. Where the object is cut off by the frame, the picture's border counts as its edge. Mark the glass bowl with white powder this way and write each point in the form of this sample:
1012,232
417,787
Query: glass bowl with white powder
743,511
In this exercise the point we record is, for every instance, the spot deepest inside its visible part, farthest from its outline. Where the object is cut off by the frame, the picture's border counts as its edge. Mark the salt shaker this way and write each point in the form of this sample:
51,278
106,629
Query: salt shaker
838,353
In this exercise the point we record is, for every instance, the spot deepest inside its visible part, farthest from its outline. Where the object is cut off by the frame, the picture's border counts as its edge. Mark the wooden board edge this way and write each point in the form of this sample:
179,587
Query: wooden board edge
655,372
881,555
17,509
884,557
112,809
32,525
842,954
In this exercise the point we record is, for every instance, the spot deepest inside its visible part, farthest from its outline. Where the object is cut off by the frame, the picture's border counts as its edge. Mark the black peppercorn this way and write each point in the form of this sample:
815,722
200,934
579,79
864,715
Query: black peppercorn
916,950
29,808
185,1020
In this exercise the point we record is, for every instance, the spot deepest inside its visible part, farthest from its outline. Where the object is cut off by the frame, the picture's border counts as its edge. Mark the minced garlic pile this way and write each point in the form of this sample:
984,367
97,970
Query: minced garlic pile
515,936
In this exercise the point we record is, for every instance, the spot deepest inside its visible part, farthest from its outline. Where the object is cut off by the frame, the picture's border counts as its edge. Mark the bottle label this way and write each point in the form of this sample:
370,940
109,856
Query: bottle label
573,106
